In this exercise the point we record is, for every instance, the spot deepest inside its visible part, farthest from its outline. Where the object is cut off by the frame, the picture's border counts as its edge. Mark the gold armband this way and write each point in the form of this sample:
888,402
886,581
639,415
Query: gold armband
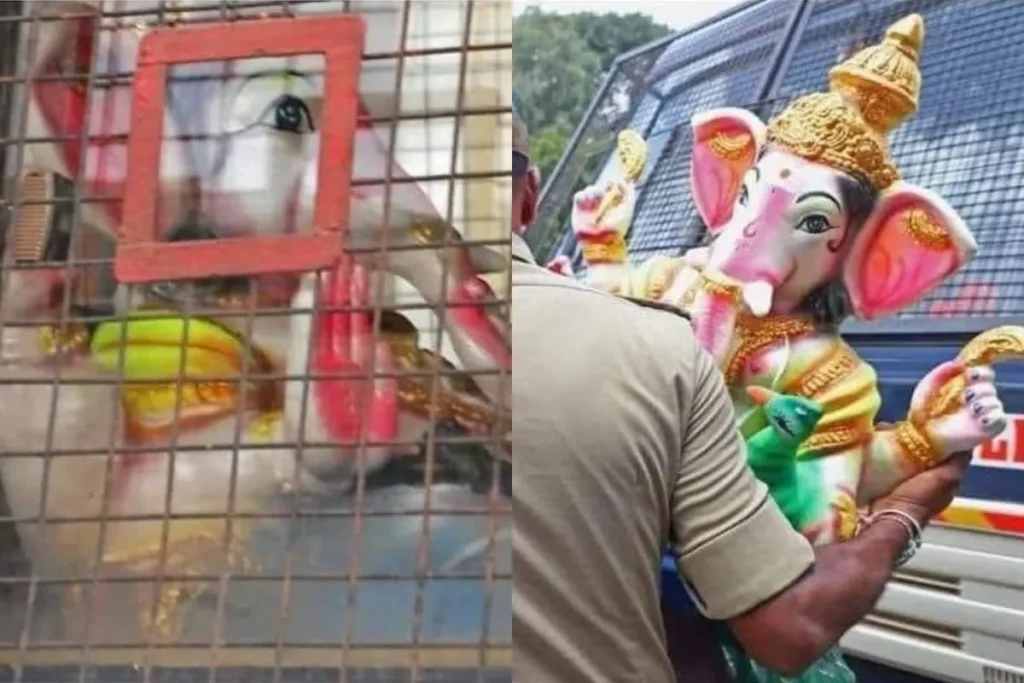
916,445
719,285
606,249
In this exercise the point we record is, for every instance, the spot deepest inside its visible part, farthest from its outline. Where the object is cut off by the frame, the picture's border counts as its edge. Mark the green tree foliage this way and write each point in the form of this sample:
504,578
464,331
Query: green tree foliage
558,63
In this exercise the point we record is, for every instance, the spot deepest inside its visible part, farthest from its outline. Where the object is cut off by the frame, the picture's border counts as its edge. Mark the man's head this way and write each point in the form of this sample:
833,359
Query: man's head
525,180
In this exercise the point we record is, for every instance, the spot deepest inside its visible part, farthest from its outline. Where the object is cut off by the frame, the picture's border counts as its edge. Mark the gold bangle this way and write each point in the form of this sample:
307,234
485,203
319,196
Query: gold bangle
601,253
718,285
915,444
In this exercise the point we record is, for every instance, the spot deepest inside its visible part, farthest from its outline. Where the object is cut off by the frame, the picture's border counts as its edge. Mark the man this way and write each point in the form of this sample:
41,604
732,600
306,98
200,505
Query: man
624,437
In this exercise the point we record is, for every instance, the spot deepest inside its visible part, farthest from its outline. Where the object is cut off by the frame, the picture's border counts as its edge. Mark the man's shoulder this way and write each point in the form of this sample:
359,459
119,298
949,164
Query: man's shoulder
657,305
528,275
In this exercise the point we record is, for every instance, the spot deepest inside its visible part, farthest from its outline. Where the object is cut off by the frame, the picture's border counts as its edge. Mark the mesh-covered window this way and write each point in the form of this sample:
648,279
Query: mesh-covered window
645,112
717,65
966,143
622,101
752,23
665,216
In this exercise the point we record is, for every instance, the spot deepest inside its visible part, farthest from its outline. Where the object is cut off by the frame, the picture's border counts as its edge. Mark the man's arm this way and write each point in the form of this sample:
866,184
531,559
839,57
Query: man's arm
790,631
744,563
847,578
732,543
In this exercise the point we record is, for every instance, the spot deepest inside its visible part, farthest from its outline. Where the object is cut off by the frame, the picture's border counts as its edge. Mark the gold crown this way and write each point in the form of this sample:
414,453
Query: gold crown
869,95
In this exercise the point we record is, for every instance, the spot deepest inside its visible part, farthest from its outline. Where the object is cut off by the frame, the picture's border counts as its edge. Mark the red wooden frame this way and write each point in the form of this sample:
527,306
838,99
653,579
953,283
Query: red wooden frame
140,256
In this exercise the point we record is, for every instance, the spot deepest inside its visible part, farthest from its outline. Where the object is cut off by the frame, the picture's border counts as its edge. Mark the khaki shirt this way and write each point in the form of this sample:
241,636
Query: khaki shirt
624,438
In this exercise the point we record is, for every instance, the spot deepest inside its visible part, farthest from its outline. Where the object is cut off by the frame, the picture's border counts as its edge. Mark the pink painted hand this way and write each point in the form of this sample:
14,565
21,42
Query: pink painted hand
980,418
586,207
366,403
561,265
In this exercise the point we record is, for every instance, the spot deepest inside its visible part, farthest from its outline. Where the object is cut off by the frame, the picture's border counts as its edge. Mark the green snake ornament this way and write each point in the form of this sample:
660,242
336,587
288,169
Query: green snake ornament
793,485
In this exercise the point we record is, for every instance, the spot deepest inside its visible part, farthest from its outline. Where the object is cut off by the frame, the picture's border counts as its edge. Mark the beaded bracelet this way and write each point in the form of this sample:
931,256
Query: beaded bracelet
908,523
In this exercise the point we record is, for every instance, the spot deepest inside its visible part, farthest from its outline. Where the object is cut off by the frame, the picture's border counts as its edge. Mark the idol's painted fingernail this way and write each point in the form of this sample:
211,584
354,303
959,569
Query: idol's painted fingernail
970,394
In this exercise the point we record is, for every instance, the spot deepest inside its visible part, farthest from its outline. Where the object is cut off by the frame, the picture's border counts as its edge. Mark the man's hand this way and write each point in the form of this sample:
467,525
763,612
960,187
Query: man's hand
927,494
846,580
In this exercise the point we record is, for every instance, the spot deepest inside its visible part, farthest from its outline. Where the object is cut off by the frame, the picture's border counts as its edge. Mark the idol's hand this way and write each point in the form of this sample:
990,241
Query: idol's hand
600,209
979,418
561,265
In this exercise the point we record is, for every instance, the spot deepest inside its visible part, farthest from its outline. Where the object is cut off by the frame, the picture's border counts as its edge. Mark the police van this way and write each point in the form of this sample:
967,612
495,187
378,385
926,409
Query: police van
956,612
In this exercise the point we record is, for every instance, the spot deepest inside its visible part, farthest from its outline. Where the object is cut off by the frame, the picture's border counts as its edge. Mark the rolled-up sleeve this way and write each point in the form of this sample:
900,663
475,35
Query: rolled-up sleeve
733,546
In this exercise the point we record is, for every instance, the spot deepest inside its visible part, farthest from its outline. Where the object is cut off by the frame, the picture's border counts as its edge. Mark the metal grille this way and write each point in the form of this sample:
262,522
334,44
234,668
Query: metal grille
966,143
621,92
260,473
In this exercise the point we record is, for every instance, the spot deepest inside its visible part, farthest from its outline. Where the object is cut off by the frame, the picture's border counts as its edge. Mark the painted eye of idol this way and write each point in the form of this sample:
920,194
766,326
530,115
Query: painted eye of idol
749,180
277,101
289,114
819,212
815,224
782,425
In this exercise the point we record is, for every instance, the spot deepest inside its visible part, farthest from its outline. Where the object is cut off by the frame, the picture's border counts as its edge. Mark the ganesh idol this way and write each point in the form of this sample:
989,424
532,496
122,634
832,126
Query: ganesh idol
809,223
167,454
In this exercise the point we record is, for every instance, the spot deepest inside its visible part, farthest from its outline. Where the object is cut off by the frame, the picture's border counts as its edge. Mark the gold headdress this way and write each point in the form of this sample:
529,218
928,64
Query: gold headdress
869,95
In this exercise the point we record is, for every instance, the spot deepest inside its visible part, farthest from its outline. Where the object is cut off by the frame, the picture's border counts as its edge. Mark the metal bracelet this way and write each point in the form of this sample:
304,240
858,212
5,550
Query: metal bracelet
908,523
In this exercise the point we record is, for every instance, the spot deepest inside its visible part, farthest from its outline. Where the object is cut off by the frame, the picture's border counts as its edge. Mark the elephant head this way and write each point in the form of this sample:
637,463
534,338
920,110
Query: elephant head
807,214
239,157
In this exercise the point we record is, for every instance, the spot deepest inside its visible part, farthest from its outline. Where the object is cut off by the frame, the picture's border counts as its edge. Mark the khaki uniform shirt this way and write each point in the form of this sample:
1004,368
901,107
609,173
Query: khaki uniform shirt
624,438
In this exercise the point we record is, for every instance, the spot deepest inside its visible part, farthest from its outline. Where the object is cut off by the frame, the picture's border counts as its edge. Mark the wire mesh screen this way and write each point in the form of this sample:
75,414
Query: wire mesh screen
670,82
622,93
696,77
261,471
966,143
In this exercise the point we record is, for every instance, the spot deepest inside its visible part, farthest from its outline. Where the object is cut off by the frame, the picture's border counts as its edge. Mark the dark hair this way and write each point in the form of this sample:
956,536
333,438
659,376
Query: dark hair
829,305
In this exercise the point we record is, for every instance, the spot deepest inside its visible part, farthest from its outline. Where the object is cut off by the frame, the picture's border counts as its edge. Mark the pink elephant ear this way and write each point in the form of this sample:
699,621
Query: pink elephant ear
911,241
726,143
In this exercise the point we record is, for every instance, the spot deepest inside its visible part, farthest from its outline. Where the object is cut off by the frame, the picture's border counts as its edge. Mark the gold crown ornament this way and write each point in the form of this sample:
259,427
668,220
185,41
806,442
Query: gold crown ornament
869,95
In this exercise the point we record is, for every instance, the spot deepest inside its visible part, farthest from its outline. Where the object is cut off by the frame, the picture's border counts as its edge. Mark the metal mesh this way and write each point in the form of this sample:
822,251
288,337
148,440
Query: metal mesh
283,477
965,143
669,80
621,93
